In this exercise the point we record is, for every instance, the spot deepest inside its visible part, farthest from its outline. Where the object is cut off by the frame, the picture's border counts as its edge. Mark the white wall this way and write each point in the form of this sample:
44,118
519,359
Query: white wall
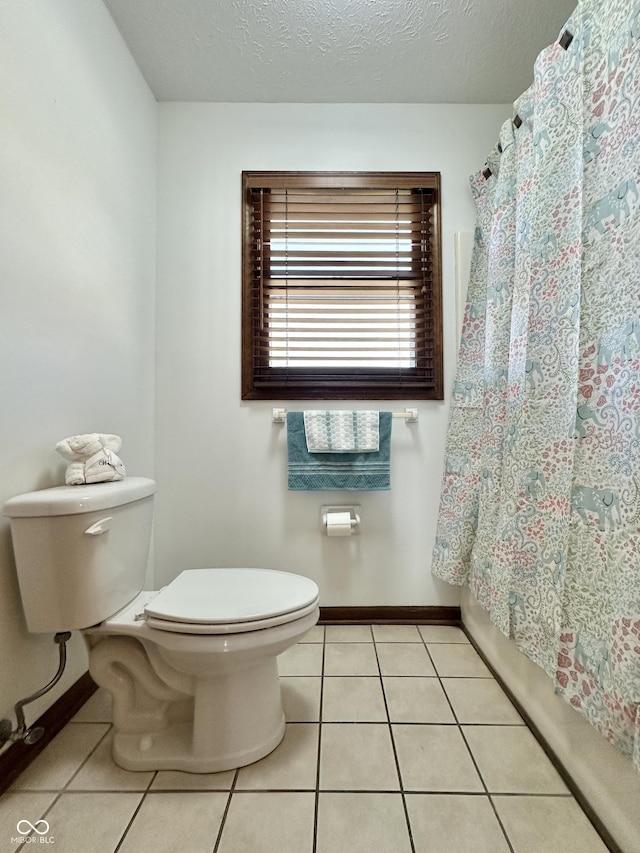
77,270
221,463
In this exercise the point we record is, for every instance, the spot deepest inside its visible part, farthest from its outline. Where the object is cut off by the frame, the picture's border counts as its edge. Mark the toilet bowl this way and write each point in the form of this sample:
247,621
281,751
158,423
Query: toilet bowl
191,668
222,708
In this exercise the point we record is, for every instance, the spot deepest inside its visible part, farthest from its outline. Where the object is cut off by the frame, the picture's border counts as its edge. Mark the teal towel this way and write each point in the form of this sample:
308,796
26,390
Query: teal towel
327,471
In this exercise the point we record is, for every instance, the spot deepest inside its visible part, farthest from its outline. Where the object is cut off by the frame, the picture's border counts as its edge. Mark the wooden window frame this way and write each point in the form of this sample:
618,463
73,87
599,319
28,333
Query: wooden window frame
262,382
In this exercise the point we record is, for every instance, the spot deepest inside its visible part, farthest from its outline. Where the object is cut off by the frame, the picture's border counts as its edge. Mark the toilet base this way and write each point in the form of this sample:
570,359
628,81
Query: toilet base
199,704
171,750
237,719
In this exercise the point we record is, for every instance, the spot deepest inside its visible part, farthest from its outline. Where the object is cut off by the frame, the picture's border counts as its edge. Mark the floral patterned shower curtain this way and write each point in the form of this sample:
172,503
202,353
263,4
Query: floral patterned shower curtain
540,502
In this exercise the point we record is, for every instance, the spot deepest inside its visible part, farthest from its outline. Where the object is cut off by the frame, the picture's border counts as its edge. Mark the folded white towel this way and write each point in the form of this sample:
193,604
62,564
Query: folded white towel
93,458
338,431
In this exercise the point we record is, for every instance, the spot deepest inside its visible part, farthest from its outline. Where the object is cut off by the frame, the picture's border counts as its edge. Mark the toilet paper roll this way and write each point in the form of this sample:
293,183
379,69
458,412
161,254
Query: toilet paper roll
339,524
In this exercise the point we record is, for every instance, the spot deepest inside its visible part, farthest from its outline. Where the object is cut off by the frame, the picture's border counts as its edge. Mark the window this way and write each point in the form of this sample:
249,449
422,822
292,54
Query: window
341,286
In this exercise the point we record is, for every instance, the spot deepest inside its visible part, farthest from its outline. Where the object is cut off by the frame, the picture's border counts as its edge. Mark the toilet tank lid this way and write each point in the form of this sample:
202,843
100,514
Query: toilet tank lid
72,500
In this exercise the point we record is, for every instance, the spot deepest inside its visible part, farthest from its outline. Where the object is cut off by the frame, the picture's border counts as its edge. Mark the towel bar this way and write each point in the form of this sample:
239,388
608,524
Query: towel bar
279,416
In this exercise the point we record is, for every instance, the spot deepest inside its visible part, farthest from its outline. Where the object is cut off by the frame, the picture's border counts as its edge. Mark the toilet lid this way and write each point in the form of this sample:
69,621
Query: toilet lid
210,597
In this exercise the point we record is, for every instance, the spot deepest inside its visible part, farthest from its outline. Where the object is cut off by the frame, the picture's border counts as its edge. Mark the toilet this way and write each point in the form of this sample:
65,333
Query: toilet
192,667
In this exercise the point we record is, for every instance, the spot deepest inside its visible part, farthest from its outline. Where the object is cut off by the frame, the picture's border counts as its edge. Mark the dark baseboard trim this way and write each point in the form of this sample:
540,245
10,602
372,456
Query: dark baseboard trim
398,615
18,756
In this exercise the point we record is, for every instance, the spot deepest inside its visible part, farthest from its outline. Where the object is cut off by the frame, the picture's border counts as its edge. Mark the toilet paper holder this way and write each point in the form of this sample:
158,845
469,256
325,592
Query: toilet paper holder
354,516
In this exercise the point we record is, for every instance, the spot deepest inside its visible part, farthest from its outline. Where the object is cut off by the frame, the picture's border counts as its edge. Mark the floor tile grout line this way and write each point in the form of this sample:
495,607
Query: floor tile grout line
86,758
470,751
63,790
45,812
475,764
226,811
135,814
395,754
460,728
545,794
442,687
305,790
316,805
372,675
500,824
136,811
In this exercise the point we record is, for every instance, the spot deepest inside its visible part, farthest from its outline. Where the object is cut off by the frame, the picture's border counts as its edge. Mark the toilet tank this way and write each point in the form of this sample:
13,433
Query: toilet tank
81,551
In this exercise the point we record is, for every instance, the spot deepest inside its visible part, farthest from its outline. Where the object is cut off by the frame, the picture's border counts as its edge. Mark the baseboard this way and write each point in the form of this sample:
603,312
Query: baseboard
385,615
18,756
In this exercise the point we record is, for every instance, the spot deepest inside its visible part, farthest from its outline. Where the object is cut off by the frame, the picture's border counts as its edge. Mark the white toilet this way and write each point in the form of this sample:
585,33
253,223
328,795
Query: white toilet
192,668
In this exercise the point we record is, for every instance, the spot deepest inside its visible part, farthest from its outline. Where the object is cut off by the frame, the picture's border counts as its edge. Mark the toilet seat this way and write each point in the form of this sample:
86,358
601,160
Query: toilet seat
222,601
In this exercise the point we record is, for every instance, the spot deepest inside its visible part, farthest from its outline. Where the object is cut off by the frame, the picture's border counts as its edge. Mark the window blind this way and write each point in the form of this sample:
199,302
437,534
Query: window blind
341,286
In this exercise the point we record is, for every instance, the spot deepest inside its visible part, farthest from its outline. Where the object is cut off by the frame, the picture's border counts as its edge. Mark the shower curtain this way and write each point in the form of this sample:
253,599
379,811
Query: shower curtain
540,501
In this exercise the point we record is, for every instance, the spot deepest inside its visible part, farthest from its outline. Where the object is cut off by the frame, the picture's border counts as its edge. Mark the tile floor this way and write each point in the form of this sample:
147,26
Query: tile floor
398,741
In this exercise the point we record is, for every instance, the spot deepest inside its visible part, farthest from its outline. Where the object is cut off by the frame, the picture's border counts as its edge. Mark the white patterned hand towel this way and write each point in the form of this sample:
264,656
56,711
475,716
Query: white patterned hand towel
337,431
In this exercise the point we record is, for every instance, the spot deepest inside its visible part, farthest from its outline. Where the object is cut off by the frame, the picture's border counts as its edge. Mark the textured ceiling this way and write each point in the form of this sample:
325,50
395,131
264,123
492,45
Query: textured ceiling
339,51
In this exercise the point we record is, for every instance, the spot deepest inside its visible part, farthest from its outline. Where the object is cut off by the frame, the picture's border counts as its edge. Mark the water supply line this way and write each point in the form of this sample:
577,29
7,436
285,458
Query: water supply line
33,734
